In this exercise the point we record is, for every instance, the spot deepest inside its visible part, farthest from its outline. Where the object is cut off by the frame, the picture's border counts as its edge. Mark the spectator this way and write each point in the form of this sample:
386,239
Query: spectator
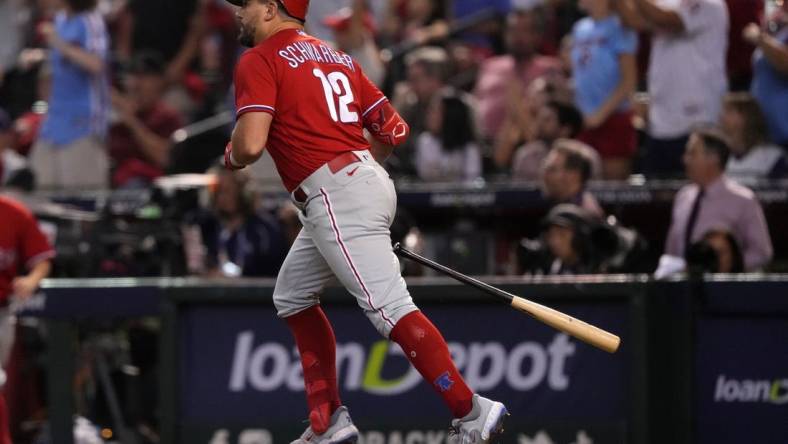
560,17
567,236
752,156
565,173
716,252
508,76
565,244
414,22
521,122
770,73
172,29
712,201
70,150
354,34
739,58
22,22
318,10
554,121
232,239
12,41
22,246
321,9
448,149
139,142
28,125
190,35
205,80
219,46
426,77
686,76
605,76
12,165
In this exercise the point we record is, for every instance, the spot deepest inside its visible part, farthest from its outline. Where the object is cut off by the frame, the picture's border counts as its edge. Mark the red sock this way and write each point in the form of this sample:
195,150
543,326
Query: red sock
317,347
426,349
5,433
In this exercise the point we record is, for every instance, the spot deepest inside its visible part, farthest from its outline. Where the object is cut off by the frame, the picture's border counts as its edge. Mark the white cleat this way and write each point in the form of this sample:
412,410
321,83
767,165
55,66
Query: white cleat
341,430
481,425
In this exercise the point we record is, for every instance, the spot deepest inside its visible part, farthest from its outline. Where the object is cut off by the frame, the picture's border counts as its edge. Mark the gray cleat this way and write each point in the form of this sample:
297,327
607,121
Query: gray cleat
341,430
481,425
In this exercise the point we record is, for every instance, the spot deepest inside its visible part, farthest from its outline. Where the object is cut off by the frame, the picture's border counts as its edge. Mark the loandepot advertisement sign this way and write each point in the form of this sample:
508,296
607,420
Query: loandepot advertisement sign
742,380
240,372
752,390
272,366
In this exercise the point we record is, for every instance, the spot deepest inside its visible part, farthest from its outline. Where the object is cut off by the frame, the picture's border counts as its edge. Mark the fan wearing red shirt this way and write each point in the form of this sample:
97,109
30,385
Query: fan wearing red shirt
309,105
22,245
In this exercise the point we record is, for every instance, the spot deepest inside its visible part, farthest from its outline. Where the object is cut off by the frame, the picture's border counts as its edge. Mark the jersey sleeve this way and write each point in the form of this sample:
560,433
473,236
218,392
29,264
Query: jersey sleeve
255,85
379,117
34,244
371,96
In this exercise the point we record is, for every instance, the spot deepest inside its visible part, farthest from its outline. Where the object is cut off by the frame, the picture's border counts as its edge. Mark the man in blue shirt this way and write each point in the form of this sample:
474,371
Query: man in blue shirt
70,151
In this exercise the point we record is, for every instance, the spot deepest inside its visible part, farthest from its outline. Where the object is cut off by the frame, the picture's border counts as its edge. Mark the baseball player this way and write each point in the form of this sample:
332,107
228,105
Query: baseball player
309,104
22,244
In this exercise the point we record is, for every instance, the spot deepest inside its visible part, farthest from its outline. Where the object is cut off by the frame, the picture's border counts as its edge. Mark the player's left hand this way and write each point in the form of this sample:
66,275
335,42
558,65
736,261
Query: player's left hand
23,287
228,163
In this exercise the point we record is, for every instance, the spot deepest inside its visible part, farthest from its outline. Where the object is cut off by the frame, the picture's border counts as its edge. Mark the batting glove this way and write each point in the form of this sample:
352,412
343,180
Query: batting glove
229,163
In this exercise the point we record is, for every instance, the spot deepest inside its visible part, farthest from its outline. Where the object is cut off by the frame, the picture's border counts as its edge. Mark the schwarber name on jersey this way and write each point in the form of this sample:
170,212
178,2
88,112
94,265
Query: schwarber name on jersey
317,95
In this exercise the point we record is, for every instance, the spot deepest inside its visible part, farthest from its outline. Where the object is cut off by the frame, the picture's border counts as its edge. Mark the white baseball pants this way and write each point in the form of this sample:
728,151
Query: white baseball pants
346,219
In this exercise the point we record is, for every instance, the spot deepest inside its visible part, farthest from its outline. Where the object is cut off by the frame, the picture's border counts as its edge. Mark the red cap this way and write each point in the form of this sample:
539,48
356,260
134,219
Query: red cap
294,8
341,20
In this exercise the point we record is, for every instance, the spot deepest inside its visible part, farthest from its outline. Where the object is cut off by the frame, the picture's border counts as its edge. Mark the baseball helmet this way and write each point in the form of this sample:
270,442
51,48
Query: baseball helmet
294,8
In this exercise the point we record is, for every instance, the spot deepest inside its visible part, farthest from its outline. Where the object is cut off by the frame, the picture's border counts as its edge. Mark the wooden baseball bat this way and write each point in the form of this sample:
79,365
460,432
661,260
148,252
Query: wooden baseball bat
581,330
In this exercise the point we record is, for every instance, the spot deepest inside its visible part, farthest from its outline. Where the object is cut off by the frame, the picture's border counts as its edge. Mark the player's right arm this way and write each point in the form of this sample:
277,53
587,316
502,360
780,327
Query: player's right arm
255,103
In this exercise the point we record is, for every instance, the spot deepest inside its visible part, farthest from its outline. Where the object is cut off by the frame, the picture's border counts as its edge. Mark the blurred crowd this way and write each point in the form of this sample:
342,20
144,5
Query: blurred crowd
116,94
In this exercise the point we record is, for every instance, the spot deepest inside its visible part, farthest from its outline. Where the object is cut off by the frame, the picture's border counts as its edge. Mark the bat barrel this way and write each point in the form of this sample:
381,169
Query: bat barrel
581,330
561,321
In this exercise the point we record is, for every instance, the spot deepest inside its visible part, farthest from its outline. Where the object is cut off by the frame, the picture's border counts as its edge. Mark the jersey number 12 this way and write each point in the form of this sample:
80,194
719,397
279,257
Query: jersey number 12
337,84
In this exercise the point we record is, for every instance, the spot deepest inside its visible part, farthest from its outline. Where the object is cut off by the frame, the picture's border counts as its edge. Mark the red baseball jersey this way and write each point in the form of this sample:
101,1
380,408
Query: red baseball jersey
21,244
317,95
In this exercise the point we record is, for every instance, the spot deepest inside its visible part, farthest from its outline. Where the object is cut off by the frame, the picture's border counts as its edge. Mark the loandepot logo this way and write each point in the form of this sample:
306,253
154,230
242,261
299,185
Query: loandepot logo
485,365
749,390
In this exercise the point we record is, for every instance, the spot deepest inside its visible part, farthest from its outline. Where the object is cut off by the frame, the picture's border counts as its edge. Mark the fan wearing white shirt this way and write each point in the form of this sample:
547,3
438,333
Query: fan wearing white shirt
686,76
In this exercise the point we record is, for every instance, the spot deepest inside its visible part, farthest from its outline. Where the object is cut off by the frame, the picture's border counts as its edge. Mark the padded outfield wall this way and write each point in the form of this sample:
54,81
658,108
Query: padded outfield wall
699,362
